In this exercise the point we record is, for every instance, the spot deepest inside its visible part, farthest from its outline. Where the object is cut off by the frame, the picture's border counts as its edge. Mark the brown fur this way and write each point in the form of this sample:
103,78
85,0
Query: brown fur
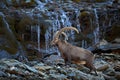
74,54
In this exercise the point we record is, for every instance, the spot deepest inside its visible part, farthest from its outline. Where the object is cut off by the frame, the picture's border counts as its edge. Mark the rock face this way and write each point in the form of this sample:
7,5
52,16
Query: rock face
28,26
9,46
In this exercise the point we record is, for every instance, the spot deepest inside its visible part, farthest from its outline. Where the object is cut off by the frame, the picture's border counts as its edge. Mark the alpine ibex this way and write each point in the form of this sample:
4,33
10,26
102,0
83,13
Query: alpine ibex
72,53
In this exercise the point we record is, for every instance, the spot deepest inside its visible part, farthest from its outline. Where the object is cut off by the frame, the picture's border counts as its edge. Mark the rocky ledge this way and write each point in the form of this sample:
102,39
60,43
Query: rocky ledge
54,68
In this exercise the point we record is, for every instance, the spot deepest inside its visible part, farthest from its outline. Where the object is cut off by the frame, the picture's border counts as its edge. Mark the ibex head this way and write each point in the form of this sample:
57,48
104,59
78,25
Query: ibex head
61,31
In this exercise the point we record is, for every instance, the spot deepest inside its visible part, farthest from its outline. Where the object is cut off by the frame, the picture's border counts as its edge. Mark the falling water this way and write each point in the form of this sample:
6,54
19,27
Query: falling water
48,39
50,31
31,32
84,44
64,19
38,36
35,35
77,20
59,20
60,15
96,31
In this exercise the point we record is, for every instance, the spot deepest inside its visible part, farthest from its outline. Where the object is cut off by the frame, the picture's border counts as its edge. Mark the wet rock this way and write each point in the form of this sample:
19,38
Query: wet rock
58,14
57,76
31,69
110,47
54,60
103,67
117,67
4,54
104,45
2,5
111,57
16,69
61,69
116,40
111,73
53,71
75,74
2,74
85,22
112,32
78,75
83,68
109,77
106,67
43,68
117,75
18,3
9,42
15,66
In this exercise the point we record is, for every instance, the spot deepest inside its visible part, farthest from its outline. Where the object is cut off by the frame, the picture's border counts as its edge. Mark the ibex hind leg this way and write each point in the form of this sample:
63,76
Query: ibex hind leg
95,72
91,67
68,61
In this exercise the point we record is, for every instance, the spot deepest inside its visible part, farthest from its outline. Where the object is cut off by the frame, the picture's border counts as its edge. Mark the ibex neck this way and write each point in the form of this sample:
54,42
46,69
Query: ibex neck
59,43
62,44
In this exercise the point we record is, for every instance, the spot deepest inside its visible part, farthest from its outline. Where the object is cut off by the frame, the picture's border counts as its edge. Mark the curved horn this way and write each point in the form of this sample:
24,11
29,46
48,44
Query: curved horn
66,37
65,29
54,36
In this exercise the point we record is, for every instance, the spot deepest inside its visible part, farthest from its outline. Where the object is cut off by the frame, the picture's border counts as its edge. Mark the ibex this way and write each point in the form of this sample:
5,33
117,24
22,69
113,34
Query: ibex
72,53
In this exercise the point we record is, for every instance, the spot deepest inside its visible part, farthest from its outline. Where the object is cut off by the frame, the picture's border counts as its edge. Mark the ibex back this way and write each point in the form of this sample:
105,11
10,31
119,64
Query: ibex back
72,53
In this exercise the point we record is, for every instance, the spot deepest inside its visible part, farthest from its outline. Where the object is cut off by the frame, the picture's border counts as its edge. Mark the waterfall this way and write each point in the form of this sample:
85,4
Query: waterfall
96,31
84,44
48,39
64,19
33,32
38,36
59,20
35,22
35,35
77,19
